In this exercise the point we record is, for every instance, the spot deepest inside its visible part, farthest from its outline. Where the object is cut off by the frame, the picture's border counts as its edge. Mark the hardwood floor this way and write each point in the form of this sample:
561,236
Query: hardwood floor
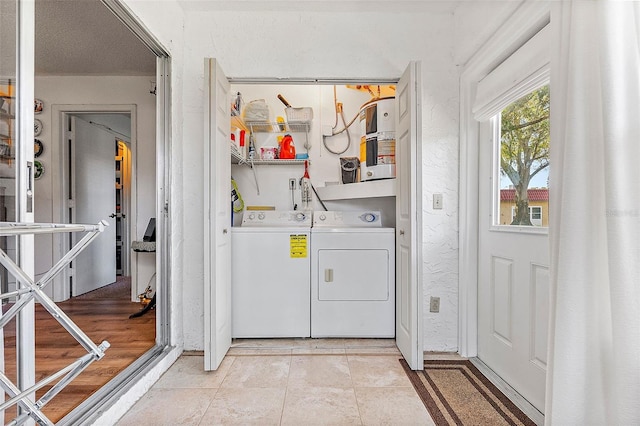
106,319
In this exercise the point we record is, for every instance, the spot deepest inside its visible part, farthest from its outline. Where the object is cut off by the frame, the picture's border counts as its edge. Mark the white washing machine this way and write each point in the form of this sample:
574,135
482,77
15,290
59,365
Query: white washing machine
270,275
352,275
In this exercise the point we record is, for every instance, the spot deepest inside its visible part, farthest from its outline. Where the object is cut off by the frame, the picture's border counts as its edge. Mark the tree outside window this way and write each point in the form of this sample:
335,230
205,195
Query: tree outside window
524,147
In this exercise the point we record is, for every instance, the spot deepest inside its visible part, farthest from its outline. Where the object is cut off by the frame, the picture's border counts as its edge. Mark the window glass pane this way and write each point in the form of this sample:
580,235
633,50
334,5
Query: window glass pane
536,212
8,172
8,29
524,161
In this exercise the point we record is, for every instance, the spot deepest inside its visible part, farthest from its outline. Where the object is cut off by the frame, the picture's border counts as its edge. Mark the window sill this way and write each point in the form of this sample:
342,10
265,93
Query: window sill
515,229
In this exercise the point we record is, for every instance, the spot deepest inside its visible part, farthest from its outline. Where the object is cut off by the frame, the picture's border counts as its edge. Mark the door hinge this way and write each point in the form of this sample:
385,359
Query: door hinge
71,204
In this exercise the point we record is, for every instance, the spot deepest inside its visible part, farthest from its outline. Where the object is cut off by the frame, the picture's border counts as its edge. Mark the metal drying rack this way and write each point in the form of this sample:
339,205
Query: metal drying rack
30,290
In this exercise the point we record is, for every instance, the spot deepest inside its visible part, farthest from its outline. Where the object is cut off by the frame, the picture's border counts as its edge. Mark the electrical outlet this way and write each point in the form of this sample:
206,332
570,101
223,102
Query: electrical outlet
437,201
434,304
292,183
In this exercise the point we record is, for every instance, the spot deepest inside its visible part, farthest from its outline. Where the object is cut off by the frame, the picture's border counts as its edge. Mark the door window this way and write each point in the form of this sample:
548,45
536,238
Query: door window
521,133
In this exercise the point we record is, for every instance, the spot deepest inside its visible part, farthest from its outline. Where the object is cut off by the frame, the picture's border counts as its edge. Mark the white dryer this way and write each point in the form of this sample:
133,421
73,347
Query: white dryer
270,275
352,275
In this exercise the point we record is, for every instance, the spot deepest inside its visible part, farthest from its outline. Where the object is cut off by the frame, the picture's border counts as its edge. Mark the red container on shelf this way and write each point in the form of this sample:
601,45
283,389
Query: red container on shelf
287,148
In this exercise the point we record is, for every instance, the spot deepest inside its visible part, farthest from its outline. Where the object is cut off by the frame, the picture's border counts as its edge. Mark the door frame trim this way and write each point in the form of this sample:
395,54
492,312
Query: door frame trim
417,183
60,182
118,395
25,254
526,21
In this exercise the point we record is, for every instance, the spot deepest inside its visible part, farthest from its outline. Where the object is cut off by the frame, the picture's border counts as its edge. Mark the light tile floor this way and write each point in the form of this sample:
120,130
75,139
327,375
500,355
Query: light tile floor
286,382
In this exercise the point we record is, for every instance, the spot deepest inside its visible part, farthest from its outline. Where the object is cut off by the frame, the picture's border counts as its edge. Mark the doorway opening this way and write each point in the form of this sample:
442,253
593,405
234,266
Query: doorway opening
123,202
97,181
218,245
97,169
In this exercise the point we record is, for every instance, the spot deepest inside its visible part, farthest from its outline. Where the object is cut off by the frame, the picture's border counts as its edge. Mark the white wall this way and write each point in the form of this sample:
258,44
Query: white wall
99,90
119,123
349,39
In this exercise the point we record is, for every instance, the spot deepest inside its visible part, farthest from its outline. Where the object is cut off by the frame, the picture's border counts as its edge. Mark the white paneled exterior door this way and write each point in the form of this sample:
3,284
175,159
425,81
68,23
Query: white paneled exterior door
513,290
217,205
94,197
408,223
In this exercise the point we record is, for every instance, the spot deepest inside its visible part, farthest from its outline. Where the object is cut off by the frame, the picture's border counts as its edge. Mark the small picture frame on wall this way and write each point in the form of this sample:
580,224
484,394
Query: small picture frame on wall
38,106
39,169
38,147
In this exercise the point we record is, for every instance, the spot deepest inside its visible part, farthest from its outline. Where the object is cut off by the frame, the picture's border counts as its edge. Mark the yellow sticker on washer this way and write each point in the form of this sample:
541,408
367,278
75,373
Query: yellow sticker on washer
298,245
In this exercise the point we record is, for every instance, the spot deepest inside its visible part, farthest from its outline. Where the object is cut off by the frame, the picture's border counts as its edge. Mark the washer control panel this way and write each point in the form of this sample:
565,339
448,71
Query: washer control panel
347,219
276,218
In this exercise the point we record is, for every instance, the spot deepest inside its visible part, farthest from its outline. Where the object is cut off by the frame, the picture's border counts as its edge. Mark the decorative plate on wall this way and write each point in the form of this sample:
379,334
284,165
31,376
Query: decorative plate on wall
37,127
39,169
38,106
38,147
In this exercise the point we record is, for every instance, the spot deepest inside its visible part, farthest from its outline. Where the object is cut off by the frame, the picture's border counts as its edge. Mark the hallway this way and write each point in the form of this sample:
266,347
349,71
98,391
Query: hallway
286,382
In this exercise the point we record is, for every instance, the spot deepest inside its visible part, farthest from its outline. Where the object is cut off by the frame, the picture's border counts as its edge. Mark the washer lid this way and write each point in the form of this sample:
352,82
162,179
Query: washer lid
347,219
276,218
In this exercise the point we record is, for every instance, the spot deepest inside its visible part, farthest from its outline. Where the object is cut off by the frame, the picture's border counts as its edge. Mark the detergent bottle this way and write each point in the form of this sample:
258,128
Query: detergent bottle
287,148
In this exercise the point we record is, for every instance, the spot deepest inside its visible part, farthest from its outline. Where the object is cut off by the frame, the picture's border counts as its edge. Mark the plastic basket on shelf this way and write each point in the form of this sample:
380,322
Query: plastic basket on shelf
299,115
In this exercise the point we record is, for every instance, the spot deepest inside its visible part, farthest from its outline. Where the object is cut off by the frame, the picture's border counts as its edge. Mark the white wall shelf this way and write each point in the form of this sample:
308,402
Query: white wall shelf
236,158
238,123
265,127
368,189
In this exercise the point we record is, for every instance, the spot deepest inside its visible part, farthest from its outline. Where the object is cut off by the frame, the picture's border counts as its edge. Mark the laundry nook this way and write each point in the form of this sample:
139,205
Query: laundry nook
313,201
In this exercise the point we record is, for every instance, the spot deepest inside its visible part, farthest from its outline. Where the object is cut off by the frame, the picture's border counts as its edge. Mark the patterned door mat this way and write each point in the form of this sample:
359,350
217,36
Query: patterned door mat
456,393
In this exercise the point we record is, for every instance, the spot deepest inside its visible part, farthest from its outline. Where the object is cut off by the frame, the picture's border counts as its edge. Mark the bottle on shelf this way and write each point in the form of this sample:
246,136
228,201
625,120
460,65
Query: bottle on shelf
252,147
236,107
305,188
279,138
241,143
287,148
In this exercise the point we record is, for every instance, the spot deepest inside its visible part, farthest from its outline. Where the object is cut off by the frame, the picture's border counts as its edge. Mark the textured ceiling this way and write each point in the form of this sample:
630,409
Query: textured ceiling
83,37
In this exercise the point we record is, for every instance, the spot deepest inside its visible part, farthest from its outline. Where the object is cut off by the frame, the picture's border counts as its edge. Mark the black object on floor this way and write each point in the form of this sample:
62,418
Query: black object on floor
146,309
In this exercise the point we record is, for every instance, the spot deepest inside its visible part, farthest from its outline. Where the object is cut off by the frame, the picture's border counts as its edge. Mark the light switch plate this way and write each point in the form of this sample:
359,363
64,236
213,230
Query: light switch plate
434,304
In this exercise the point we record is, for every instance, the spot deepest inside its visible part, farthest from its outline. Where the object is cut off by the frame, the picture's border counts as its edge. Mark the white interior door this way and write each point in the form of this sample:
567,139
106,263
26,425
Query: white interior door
513,290
94,195
408,218
217,205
